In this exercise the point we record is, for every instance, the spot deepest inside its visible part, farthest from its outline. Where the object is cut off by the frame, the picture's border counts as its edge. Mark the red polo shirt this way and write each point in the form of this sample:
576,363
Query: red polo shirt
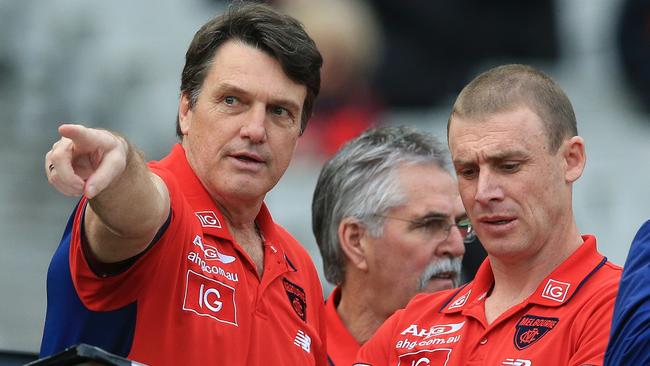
566,321
198,296
342,347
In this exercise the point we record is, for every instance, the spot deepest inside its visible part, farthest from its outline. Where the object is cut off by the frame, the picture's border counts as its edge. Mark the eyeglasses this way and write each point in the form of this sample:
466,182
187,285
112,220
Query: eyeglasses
439,228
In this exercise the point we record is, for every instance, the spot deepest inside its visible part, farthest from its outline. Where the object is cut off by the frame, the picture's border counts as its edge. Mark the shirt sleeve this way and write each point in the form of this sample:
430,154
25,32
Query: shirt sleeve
378,350
100,292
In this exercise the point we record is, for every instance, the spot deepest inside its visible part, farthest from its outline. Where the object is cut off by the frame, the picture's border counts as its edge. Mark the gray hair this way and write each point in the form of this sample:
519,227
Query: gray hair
361,181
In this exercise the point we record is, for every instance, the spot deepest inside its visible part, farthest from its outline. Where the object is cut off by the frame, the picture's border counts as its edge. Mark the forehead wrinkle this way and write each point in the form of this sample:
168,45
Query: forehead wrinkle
496,146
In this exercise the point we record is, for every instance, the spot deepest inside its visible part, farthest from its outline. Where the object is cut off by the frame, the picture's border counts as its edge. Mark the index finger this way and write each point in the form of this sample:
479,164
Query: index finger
85,139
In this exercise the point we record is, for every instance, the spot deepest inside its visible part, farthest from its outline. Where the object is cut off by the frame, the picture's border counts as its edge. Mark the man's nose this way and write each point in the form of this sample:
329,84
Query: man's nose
487,188
254,125
453,246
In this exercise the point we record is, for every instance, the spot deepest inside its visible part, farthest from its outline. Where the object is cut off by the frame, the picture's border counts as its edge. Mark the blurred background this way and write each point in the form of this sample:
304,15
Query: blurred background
117,65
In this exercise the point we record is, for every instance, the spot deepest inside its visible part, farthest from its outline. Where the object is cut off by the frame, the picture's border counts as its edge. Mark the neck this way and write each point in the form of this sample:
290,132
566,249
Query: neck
357,313
239,215
515,279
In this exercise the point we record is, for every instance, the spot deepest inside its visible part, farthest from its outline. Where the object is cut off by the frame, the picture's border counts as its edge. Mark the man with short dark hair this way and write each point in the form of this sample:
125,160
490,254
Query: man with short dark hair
544,295
179,262
389,224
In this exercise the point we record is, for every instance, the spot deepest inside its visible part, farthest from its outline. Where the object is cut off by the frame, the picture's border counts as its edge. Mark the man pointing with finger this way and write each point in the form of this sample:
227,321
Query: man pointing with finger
179,262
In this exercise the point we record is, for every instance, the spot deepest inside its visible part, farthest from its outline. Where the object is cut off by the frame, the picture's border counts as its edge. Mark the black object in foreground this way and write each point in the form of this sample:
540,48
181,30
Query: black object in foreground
83,354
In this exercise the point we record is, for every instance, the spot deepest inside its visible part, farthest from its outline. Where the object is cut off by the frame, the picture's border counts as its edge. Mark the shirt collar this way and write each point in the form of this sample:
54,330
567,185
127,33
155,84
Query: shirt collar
555,290
205,209
342,346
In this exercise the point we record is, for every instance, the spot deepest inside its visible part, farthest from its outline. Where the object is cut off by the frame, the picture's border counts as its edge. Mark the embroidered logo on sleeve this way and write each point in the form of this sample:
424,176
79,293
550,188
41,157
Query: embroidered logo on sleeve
297,298
531,329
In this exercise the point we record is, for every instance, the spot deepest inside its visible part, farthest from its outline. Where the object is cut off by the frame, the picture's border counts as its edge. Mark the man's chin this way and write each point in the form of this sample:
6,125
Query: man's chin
439,284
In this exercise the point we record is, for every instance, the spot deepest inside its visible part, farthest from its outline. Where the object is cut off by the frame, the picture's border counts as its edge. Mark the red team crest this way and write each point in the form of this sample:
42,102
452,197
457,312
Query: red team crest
531,329
297,298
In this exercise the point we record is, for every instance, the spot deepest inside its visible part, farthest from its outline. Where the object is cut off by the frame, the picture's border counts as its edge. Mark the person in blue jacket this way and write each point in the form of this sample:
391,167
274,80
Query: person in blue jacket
629,343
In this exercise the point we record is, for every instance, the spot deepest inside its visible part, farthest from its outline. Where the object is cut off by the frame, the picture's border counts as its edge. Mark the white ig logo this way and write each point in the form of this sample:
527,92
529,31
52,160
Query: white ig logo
556,290
422,361
203,298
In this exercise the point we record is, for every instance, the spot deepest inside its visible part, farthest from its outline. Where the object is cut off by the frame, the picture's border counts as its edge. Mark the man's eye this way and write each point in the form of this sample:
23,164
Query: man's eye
467,173
280,111
230,100
432,226
510,167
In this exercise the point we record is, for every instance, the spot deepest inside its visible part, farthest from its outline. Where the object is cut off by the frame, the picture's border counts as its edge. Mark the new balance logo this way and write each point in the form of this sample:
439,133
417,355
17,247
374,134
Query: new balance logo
517,362
303,341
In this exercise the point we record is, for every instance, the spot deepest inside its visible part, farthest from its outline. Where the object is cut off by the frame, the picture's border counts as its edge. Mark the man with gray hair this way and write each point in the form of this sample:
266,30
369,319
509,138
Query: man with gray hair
389,224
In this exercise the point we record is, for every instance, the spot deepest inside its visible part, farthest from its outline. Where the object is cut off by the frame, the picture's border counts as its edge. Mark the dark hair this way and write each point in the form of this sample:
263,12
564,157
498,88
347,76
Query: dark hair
361,181
509,86
258,25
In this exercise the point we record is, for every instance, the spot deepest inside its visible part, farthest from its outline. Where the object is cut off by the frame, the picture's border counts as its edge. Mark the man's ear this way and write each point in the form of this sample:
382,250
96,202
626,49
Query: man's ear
575,158
184,113
352,236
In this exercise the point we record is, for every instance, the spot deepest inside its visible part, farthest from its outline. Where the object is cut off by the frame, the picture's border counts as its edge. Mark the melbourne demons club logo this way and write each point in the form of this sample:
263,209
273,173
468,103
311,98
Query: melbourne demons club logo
555,290
208,219
208,297
426,357
297,298
532,328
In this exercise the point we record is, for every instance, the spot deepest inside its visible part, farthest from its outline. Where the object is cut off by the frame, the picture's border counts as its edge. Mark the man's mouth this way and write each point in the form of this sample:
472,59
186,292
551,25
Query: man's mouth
496,220
444,276
248,157
499,222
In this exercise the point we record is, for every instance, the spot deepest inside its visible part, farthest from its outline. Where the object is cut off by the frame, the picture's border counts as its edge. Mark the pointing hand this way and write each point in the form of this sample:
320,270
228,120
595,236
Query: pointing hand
85,160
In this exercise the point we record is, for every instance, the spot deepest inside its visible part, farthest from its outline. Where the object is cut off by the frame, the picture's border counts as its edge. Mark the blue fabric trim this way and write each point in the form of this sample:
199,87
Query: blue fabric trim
630,335
68,322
